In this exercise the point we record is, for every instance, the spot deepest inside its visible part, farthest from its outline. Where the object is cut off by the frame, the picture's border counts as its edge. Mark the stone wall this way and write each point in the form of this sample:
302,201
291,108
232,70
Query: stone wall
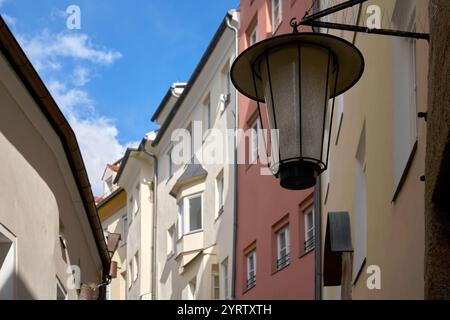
437,195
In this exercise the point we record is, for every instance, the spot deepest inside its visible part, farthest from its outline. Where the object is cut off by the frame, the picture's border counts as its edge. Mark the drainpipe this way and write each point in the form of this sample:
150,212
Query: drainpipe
155,203
318,241
235,209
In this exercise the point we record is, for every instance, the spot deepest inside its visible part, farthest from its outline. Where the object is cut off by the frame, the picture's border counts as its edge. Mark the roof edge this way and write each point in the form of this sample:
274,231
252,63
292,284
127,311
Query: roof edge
28,75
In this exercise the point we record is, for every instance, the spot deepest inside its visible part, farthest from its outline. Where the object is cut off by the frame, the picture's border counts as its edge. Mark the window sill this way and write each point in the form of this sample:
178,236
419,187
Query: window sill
248,289
189,234
304,254
280,269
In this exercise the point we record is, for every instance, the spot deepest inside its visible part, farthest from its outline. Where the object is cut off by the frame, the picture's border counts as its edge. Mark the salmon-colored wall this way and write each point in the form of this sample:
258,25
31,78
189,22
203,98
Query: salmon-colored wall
262,203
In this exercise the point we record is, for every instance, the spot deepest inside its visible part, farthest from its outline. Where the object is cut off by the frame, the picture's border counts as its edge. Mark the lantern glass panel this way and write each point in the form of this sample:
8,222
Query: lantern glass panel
286,81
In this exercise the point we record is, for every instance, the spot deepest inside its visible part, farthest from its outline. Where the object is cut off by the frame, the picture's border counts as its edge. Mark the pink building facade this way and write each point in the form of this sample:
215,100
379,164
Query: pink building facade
275,227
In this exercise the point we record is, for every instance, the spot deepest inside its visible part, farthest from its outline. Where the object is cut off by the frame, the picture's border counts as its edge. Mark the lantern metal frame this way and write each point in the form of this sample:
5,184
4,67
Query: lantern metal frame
317,165
298,173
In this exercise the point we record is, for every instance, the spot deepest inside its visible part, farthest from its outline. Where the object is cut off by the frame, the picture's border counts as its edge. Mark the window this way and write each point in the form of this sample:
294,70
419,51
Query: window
219,193
171,241
253,35
108,185
283,248
124,229
137,200
195,213
135,266
192,140
190,215
360,211
61,293
251,269
215,282
255,141
225,278
170,163
277,8
181,219
226,87
7,264
130,274
309,229
207,117
404,92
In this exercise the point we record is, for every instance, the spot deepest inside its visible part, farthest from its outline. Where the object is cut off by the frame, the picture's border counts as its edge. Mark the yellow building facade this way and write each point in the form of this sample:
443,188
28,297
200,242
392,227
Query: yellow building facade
377,153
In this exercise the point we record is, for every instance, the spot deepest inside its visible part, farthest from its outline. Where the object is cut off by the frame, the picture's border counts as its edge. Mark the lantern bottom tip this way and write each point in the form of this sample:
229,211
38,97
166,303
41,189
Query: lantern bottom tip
298,175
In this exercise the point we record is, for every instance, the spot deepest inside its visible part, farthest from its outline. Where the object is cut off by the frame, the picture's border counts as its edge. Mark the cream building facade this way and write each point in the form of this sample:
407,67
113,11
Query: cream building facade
136,177
194,246
112,210
377,154
51,242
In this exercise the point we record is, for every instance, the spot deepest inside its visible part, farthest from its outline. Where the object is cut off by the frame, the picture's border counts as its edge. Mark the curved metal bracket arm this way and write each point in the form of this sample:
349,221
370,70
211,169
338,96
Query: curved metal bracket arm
312,20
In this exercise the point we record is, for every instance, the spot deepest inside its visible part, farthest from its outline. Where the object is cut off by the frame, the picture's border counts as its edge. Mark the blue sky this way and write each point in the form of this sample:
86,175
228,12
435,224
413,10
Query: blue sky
109,76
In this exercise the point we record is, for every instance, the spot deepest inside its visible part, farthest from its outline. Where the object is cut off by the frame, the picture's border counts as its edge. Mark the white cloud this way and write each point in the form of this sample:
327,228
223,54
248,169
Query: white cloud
97,136
45,50
52,54
81,76
10,21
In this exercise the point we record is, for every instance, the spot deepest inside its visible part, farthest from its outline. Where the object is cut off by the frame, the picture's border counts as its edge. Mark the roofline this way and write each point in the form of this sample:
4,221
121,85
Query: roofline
124,163
162,104
109,197
22,66
192,80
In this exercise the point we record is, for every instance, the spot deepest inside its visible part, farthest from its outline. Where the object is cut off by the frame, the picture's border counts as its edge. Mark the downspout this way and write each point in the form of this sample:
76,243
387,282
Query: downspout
155,203
318,240
235,209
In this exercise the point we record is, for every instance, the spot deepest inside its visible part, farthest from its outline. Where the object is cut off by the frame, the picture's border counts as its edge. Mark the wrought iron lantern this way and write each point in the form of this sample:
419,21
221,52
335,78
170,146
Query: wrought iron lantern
296,75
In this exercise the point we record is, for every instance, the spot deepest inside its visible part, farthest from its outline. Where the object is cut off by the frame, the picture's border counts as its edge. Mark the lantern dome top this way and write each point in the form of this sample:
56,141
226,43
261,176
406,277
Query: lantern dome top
349,59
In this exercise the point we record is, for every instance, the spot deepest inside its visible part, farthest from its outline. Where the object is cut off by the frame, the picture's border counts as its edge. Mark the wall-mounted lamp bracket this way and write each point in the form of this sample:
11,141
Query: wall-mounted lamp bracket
312,21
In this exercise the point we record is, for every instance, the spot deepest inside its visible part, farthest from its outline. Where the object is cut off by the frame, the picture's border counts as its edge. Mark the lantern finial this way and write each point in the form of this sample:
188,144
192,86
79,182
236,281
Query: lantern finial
294,25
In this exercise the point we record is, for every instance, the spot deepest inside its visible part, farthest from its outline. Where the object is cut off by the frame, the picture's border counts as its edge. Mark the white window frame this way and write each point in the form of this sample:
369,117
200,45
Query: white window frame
276,21
253,35
130,274
124,228
220,188
224,270
251,272
185,216
109,185
308,229
137,200
60,287
8,268
207,117
215,285
254,144
287,248
170,163
136,267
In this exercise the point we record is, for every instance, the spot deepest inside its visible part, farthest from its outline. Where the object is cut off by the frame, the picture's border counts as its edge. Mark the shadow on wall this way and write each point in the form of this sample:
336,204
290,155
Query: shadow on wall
20,291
